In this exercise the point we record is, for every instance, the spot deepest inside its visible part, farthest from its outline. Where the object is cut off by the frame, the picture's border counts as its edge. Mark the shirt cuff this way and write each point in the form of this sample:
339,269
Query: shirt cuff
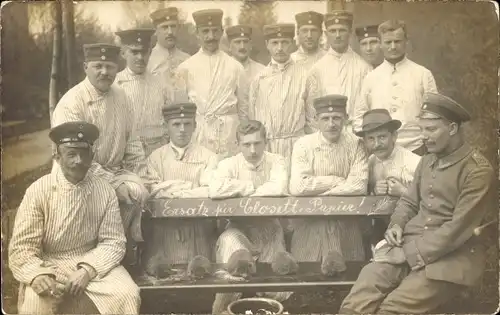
90,270
413,256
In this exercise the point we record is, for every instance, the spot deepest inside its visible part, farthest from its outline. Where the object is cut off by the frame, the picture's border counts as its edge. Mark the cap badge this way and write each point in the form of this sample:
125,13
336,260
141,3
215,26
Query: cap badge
80,135
242,30
182,108
182,115
168,17
310,22
139,39
209,23
103,57
366,34
336,20
330,109
279,34
425,106
365,29
242,34
103,50
80,127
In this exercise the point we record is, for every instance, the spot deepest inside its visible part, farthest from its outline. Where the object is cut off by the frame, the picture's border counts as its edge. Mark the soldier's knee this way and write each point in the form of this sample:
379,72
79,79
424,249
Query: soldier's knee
35,304
129,292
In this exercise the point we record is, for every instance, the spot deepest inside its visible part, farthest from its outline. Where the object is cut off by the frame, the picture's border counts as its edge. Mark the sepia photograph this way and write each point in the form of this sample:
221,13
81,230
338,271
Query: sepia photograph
250,157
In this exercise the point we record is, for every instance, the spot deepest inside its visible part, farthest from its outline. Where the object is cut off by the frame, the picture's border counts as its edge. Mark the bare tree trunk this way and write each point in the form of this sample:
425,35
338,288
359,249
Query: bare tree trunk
56,58
68,22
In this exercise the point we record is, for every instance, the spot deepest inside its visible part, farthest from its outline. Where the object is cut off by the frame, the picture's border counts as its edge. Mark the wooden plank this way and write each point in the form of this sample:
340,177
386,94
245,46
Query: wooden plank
273,207
307,277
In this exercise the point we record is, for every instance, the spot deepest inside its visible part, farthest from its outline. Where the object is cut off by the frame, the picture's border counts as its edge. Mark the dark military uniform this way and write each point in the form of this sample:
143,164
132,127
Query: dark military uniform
448,199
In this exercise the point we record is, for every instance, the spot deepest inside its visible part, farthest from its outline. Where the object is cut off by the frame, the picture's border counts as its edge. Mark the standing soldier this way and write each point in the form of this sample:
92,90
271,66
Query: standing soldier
216,83
277,93
165,56
240,46
397,85
309,31
146,93
369,44
118,156
341,70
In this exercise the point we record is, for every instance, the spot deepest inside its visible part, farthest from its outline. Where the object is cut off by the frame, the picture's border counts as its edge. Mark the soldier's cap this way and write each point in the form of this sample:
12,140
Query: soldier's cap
282,30
338,17
239,31
179,110
377,118
101,52
137,37
164,15
309,18
209,17
367,31
78,134
330,103
444,107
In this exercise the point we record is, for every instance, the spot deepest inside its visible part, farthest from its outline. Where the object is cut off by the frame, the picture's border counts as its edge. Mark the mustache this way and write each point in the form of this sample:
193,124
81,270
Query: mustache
104,77
243,51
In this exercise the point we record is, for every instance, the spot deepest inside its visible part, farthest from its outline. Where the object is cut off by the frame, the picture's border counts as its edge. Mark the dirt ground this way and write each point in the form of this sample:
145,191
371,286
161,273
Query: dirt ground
481,300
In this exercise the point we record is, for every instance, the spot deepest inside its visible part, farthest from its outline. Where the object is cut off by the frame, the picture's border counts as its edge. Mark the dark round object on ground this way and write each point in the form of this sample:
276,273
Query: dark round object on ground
255,305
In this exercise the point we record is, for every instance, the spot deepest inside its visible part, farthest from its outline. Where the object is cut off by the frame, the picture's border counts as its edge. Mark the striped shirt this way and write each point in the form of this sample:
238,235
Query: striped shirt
216,83
163,62
176,241
116,148
401,165
399,89
323,168
147,95
48,238
306,59
340,74
277,99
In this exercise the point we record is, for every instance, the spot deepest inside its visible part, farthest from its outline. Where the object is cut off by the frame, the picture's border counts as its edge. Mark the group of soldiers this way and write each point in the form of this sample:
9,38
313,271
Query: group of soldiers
215,125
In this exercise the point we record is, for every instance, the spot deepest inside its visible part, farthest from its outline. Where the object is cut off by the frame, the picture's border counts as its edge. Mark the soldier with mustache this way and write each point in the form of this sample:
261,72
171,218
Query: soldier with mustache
240,46
119,155
329,162
309,31
166,56
369,44
146,92
217,84
397,85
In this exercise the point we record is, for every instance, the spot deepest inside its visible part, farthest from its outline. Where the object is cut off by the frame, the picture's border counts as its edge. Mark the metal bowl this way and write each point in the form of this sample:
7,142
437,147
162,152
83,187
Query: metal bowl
257,305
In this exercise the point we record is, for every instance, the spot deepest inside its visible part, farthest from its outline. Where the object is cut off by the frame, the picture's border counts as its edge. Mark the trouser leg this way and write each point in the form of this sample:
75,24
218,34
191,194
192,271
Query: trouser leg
374,282
418,295
33,303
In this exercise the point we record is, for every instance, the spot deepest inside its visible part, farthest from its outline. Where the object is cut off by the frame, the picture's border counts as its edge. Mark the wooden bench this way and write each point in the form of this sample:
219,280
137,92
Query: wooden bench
309,274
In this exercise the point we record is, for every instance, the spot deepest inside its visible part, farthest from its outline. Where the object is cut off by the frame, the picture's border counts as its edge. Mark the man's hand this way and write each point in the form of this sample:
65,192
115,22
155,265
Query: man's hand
43,285
389,254
394,235
396,188
123,194
77,282
381,187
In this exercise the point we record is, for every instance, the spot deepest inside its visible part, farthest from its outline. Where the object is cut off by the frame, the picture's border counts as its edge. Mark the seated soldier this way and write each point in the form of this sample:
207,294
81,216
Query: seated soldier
68,236
430,253
252,172
329,162
180,169
391,166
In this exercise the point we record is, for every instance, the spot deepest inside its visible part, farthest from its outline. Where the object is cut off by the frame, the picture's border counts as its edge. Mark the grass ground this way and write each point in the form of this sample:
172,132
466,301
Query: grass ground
481,300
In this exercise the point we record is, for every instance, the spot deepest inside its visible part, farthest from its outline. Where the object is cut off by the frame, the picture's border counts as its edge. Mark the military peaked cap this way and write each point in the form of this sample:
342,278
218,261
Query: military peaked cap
330,103
339,17
238,31
164,15
101,52
210,17
179,110
283,30
74,133
367,31
309,18
444,107
139,37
